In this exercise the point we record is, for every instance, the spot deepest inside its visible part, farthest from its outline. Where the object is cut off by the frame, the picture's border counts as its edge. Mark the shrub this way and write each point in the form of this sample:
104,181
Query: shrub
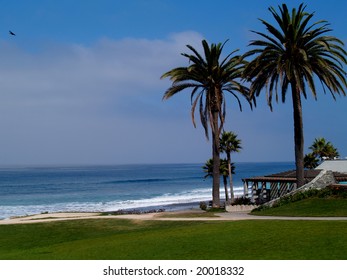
261,208
203,205
338,191
242,200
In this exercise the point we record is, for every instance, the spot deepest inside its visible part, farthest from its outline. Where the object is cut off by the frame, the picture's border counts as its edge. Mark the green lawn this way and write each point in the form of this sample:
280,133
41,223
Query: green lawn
135,240
311,207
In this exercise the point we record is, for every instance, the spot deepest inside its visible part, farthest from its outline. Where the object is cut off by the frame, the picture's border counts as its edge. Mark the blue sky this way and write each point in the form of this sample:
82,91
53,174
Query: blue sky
80,82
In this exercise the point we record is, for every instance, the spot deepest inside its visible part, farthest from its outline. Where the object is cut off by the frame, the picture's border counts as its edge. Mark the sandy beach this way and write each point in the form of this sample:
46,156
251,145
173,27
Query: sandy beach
225,216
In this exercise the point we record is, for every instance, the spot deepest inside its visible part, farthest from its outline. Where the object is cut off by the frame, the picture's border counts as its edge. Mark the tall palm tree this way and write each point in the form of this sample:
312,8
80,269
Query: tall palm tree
229,143
208,78
293,55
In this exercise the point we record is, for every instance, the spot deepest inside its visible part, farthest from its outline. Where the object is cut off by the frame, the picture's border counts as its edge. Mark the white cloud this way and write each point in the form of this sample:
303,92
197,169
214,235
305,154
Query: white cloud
84,104
75,73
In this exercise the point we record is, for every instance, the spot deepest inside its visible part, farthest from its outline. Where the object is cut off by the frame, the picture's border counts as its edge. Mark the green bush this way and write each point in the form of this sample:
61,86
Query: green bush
339,191
261,208
203,205
242,200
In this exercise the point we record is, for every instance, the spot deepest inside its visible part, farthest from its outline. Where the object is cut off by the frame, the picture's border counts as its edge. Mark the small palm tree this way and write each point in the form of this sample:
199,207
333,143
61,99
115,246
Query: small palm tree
224,172
331,152
209,78
225,169
323,149
229,143
310,161
208,168
292,54
318,147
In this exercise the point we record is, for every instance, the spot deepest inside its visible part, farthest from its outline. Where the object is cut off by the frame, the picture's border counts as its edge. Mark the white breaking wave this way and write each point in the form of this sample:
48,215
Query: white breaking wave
166,199
196,195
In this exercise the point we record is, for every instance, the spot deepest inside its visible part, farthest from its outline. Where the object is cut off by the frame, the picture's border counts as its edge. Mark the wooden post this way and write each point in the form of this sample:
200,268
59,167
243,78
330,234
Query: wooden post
245,188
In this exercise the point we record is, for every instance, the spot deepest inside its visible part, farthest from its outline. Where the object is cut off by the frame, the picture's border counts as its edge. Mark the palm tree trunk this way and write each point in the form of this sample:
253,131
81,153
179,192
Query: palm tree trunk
230,179
298,136
225,181
216,162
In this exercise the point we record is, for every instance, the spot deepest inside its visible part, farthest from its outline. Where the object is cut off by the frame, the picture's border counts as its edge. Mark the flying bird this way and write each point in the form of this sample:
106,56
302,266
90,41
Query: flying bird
11,33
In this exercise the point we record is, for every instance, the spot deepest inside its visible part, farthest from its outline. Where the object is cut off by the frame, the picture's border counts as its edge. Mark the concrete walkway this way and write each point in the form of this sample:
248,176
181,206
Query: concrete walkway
235,216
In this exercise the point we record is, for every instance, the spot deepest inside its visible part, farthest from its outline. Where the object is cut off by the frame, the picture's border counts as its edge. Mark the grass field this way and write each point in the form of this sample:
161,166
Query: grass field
99,239
311,207
135,240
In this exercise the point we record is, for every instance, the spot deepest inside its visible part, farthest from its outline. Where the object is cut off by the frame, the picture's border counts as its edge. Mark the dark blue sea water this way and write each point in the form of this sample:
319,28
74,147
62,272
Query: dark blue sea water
32,190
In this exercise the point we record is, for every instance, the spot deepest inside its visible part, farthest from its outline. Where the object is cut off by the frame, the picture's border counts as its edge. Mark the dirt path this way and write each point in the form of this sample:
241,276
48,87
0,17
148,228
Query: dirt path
235,216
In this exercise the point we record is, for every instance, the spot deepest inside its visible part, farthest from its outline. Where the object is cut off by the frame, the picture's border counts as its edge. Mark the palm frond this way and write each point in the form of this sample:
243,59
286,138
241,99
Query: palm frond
178,88
194,106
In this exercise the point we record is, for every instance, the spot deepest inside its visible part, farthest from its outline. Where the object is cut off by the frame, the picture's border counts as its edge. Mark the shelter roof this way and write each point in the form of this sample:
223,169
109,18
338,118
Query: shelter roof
338,165
290,176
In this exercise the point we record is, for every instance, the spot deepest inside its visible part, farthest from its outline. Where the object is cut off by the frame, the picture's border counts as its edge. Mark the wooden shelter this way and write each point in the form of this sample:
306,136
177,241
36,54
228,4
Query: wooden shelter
265,188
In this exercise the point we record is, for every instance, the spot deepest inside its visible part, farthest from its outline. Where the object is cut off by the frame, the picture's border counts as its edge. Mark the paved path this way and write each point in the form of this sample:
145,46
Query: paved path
235,216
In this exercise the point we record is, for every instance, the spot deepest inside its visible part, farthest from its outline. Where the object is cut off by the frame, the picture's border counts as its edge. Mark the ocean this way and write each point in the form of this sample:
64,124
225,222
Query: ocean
34,190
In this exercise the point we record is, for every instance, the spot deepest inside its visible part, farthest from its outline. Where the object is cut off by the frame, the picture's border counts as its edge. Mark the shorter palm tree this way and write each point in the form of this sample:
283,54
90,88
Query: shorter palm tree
208,168
310,161
223,170
323,149
229,143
